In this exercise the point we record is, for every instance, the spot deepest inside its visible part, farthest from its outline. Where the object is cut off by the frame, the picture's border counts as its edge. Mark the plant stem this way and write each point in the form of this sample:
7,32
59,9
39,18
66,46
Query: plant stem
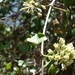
44,30
56,8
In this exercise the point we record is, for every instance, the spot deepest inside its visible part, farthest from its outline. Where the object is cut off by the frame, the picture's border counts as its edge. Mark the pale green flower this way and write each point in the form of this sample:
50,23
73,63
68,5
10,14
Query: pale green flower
56,45
63,67
39,14
61,41
39,10
51,57
66,57
50,51
57,57
43,7
69,62
62,54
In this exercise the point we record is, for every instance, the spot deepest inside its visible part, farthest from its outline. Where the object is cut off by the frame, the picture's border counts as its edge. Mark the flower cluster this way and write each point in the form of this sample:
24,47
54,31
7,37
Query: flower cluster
31,6
62,54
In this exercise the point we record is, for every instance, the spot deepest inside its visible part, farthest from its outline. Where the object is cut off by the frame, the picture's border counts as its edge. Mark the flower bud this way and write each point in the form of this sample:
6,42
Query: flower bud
22,9
36,4
66,57
39,10
24,4
50,51
39,14
51,57
29,11
57,57
56,45
63,67
43,7
32,1
61,41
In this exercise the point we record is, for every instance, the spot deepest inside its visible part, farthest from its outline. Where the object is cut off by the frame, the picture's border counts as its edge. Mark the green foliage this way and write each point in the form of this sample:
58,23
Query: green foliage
53,69
11,73
7,45
37,38
68,13
4,45
8,66
21,25
68,3
24,48
33,70
1,46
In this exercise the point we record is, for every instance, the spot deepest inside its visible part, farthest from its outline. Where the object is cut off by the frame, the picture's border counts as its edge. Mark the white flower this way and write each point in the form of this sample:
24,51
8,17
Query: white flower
61,41
57,57
63,67
32,1
36,4
39,10
63,55
56,63
63,46
66,57
70,46
51,57
50,51
72,54
43,7
69,62
39,14
22,9
56,45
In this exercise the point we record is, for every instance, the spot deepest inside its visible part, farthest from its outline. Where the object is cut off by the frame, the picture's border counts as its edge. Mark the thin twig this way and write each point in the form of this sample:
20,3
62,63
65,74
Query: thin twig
71,39
56,8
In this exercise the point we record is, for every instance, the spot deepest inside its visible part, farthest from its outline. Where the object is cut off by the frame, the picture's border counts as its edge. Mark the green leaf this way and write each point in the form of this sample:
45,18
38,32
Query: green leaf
8,66
47,63
8,73
53,69
1,1
24,65
73,31
42,22
24,48
37,38
33,70
67,13
68,3
7,44
7,29
57,70
16,69
28,0
33,25
20,62
13,73
1,46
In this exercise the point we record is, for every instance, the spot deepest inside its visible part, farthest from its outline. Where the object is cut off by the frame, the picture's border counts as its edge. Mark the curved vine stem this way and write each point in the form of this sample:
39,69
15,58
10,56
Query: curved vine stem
44,30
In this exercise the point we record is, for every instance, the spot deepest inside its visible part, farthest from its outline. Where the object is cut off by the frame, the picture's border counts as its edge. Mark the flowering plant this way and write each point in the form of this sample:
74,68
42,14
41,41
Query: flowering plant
62,54
32,7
